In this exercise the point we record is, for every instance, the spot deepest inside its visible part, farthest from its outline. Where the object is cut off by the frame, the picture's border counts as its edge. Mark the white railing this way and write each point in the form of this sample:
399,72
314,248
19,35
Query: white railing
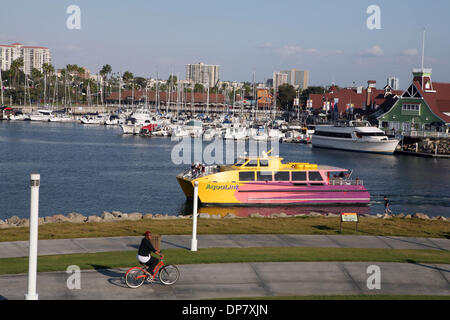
426,134
343,182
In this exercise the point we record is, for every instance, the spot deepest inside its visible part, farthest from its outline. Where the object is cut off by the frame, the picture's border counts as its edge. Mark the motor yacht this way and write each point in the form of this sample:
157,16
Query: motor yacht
353,136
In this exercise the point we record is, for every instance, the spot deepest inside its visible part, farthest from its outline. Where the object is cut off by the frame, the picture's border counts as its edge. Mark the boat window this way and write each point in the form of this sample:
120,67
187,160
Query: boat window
372,134
252,163
264,176
316,183
247,176
282,176
263,163
298,176
333,134
315,176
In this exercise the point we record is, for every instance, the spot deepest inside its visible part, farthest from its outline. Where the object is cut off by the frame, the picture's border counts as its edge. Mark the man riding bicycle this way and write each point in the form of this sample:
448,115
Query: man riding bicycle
144,254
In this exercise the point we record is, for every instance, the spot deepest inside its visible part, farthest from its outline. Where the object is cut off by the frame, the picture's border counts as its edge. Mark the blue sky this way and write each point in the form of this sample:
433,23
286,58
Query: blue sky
328,38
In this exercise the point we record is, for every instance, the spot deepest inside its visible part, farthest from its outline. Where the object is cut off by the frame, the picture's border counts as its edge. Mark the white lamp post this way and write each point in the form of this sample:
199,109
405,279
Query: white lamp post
34,215
194,219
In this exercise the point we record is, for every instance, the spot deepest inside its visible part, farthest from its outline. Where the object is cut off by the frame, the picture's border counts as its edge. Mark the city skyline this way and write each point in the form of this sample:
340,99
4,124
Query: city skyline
329,39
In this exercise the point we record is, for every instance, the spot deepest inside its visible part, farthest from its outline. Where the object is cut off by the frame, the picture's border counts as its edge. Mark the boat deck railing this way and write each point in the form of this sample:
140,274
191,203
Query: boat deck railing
345,182
191,174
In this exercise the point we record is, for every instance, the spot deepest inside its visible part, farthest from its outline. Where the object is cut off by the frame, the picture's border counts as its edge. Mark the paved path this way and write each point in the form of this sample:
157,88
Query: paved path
207,281
90,245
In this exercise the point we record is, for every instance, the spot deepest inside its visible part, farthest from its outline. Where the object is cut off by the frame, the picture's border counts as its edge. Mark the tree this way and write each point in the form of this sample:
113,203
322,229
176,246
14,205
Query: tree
15,69
285,96
106,70
199,87
127,76
172,81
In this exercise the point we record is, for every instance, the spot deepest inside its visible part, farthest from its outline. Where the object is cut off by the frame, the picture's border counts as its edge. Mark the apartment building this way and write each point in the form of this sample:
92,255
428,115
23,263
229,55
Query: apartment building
203,73
33,57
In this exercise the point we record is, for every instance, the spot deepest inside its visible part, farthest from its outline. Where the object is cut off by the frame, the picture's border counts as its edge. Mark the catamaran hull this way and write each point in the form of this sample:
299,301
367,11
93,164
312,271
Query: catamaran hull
275,194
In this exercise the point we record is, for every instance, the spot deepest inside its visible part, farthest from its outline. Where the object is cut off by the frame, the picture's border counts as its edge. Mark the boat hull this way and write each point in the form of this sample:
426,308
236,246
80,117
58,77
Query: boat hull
385,147
275,194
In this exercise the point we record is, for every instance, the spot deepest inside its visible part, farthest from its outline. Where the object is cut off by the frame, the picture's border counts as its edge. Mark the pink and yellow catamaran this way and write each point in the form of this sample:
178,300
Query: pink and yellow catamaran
263,181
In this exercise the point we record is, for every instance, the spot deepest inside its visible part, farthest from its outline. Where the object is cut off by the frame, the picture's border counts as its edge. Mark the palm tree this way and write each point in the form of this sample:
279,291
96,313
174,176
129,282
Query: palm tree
47,70
15,69
104,72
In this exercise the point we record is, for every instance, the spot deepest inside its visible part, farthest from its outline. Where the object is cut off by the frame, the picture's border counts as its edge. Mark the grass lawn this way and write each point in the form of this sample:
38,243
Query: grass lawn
119,259
295,225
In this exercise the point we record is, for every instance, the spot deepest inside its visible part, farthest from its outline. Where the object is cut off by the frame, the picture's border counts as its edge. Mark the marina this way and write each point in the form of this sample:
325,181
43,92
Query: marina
95,168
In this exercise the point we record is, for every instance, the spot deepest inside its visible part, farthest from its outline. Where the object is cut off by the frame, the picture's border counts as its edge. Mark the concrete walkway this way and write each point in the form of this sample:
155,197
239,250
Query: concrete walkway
209,281
91,245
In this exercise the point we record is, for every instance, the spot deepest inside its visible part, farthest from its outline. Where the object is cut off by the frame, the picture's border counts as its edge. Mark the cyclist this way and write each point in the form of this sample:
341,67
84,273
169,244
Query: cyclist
144,254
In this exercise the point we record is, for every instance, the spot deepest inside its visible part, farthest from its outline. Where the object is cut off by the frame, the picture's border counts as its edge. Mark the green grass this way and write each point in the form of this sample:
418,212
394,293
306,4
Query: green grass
295,225
120,259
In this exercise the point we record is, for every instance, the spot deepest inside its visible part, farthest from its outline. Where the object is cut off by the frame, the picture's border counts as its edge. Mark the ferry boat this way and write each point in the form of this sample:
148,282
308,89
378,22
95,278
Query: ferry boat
353,136
263,181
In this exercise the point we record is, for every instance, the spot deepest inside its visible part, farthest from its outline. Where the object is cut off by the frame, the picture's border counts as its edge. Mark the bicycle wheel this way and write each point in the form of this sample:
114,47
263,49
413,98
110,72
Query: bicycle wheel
169,274
135,277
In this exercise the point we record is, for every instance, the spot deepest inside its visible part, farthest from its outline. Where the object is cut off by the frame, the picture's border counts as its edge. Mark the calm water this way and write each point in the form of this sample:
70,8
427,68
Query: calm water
91,169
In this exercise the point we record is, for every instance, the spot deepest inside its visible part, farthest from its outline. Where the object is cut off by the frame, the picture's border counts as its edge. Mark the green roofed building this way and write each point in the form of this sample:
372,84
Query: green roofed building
424,108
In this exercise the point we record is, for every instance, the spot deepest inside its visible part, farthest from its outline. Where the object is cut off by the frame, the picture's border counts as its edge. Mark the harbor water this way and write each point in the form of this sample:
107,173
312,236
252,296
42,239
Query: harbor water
94,168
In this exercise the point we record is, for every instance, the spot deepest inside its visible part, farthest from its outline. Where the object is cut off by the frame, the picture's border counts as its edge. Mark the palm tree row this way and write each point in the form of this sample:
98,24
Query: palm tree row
71,85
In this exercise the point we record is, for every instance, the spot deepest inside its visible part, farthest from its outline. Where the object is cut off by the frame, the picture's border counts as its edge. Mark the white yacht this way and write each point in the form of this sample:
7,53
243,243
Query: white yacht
60,117
195,128
90,119
354,136
259,134
41,115
235,133
142,115
130,126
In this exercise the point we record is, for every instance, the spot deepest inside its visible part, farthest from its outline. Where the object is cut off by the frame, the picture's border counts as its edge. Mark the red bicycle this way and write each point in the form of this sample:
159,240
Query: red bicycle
167,274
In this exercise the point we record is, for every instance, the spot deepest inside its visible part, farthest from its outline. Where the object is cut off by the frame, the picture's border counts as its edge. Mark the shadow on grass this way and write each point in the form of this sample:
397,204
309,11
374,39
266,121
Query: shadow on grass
322,227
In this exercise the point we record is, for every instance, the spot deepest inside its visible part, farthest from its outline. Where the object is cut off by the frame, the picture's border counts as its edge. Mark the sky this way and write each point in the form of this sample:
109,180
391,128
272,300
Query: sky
330,39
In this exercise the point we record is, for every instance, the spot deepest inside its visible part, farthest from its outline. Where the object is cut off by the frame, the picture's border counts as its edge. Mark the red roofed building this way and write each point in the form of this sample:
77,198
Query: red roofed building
424,106
199,98
354,99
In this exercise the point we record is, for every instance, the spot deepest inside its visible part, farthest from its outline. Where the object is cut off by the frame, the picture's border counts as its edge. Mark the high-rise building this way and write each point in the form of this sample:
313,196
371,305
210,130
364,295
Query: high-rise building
33,57
393,82
279,78
297,78
202,73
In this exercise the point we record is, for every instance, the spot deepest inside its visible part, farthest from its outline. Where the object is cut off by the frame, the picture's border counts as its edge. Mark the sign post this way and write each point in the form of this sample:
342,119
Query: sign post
349,217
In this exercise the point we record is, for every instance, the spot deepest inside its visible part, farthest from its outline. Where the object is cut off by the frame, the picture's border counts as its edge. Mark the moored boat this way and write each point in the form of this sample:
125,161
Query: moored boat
354,136
254,181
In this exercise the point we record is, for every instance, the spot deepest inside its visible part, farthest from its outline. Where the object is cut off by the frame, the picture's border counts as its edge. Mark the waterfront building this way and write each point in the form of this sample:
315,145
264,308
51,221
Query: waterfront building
186,100
203,73
33,57
355,99
264,97
297,78
424,106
